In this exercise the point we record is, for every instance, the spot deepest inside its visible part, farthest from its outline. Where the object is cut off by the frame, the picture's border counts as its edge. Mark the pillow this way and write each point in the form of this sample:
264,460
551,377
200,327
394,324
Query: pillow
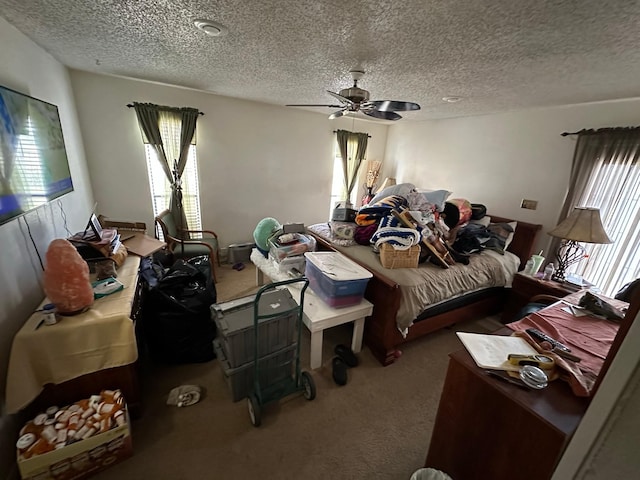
401,189
484,221
436,197
417,202
510,237
501,235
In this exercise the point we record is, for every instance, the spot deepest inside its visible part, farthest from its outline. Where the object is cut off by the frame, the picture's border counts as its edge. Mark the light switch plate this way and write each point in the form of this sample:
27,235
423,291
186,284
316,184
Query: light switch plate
529,204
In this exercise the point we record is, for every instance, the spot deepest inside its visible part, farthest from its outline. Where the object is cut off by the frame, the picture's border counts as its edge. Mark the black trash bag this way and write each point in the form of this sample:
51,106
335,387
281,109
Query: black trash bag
178,327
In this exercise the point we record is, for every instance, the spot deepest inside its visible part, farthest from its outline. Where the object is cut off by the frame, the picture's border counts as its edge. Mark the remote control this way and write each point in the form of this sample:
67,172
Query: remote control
543,337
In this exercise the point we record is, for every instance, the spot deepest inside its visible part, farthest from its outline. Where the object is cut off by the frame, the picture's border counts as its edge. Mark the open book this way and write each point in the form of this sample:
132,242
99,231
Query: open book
491,351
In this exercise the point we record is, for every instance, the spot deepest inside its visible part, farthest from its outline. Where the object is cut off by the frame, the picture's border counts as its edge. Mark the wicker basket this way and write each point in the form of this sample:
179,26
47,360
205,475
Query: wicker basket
395,258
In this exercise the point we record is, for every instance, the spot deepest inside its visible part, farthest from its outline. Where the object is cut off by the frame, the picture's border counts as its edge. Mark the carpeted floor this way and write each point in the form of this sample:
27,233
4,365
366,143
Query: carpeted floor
378,426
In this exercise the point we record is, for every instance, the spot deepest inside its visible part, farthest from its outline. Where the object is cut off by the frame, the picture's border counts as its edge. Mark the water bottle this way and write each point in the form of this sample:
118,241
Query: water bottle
548,272
528,267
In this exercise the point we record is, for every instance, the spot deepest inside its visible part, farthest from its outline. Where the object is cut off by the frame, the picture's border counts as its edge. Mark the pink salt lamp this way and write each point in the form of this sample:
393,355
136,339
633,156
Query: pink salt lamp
66,278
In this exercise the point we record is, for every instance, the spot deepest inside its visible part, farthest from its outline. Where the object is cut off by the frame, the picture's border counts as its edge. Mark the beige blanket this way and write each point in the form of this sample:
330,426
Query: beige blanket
102,337
429,284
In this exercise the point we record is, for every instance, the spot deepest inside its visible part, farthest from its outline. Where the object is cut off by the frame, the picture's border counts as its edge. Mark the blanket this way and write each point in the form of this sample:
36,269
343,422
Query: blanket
429,284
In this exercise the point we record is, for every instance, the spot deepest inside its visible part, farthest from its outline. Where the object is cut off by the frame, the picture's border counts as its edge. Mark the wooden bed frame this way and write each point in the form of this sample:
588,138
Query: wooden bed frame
381,334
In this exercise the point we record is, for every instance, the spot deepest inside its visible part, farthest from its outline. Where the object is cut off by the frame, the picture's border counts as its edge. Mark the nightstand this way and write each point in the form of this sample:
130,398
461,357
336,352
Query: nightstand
524,287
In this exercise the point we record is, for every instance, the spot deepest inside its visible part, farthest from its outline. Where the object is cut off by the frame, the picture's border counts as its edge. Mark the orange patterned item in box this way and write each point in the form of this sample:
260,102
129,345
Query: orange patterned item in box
66,278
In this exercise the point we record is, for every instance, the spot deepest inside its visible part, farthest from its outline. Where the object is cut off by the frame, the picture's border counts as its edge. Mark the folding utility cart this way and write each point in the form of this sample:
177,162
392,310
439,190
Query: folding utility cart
295,381
258,345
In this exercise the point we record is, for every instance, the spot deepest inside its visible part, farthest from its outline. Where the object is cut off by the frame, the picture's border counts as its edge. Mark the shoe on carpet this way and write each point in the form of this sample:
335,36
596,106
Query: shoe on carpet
347,355
339,371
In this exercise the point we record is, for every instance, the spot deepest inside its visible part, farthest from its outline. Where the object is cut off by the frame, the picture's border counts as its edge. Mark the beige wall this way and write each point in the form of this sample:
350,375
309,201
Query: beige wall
255,160
29,69
498,160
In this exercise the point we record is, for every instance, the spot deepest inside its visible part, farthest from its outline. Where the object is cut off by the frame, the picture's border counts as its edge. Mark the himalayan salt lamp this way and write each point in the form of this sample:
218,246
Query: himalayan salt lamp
66,278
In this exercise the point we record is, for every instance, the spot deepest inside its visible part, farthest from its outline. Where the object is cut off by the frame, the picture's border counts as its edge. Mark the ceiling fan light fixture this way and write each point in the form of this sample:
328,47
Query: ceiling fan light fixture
451,99
211,28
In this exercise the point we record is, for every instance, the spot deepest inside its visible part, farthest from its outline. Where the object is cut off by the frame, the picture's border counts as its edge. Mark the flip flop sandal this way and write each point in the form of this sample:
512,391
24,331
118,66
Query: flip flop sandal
347,355
339,372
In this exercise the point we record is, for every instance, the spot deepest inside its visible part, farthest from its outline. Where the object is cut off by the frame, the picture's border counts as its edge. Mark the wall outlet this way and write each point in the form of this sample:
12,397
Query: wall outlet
529,204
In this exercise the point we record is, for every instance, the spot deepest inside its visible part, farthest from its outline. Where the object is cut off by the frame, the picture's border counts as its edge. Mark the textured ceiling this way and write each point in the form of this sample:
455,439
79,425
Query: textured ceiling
498,55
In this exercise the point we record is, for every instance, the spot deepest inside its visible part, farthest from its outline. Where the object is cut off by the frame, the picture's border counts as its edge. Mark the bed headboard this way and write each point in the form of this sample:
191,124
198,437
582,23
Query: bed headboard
524,238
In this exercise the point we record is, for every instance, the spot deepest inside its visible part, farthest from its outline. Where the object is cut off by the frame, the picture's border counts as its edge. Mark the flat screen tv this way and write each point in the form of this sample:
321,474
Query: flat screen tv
33,160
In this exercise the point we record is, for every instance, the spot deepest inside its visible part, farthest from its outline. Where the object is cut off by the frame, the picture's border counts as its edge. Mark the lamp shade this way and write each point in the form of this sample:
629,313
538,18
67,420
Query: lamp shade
583,225
389,181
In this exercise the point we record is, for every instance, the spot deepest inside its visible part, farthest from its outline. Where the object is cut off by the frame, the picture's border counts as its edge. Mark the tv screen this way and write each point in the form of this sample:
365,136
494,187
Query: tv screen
33,161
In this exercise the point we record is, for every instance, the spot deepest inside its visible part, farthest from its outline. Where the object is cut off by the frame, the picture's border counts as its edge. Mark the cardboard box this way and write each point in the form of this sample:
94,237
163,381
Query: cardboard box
81,459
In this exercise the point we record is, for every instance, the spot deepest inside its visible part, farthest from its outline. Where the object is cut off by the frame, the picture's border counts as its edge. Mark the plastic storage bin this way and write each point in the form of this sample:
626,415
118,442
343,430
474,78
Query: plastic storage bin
288,264
338,281
301,244
274,367
235,324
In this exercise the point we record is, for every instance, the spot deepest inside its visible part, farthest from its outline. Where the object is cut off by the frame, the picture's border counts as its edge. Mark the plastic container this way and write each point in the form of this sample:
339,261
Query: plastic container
286,265
549,270
49,314
235,324
538,260
274,367
301,244
337,280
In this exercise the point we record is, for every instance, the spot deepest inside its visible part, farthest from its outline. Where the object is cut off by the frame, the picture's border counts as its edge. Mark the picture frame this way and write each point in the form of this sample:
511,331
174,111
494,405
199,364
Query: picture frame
93,230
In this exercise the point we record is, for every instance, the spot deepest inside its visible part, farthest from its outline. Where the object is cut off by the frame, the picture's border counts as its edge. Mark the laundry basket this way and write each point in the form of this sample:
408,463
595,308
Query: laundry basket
429,474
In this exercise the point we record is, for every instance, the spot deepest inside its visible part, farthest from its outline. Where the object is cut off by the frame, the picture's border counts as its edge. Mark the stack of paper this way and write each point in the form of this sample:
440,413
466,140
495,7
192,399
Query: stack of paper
491,351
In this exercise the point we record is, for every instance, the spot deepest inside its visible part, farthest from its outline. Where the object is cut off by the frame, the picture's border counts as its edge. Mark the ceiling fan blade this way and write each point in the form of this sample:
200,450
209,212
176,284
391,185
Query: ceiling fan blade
382,115
340,97
394,106
313,105
338,114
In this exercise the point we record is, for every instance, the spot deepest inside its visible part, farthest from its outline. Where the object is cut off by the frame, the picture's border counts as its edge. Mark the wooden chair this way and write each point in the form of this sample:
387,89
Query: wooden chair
537,302
187,247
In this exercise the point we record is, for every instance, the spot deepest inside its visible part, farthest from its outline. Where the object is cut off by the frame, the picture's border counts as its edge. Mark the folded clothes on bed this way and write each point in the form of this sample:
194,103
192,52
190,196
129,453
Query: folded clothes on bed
401,238
374,213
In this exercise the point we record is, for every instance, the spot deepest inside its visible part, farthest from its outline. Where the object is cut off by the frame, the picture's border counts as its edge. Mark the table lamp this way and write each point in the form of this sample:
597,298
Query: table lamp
583,225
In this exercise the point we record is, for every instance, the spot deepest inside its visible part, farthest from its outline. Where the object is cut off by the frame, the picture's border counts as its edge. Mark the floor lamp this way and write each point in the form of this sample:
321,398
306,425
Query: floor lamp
583,225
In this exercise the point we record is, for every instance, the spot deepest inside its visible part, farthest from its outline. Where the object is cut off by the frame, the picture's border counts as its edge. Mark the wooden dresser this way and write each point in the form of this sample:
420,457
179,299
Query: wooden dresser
489,429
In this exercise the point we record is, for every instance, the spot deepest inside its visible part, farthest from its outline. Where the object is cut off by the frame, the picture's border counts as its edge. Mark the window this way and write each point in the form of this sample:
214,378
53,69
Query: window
159,183
615,188
338,189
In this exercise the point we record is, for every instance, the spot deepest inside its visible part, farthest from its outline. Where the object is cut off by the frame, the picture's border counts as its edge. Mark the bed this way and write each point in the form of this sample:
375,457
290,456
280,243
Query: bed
398,318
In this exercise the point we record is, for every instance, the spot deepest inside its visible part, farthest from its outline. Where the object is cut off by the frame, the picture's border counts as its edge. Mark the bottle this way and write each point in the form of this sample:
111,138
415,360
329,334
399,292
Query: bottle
548,272
49,314
528,267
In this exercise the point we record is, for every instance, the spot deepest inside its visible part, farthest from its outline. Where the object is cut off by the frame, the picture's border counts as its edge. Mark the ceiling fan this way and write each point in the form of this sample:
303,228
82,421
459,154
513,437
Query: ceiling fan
356,99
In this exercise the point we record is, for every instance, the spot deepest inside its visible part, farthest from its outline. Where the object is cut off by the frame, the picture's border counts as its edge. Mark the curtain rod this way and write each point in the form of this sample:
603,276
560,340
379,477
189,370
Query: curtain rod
131,105
591,130
335,131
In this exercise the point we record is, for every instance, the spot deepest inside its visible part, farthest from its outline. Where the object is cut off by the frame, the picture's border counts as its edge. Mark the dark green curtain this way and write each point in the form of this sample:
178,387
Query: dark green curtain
595,148
350,166
149,120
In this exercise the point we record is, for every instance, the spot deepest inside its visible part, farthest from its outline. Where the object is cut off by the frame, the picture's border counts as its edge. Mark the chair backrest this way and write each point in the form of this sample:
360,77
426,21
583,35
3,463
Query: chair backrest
169,231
